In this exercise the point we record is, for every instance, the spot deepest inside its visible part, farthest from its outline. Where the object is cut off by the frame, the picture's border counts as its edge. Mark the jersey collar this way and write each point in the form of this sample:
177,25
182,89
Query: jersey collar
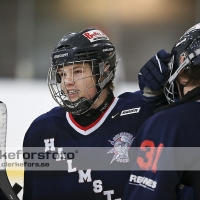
95,125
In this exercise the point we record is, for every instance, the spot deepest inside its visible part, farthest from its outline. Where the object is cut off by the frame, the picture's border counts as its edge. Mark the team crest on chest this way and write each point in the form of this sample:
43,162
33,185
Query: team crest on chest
121,144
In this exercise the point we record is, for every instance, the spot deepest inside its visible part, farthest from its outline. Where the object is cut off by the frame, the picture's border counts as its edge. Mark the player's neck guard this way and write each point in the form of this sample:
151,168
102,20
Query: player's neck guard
192,95
91,115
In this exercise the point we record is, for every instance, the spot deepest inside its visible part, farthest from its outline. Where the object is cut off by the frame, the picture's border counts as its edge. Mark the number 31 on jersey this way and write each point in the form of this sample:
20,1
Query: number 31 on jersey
152,155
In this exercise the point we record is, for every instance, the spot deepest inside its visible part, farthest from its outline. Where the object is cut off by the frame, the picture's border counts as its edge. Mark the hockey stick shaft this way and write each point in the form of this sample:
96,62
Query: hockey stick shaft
4,182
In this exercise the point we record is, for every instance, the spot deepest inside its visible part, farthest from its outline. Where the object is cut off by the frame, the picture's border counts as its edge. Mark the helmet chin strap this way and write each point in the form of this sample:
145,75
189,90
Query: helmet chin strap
81,105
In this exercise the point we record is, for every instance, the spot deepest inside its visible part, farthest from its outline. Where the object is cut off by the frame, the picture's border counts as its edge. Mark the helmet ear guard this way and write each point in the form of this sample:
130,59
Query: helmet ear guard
88,46
107,71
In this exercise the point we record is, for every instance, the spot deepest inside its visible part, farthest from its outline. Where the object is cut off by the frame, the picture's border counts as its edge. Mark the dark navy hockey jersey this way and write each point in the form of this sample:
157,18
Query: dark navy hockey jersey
164,160
117,125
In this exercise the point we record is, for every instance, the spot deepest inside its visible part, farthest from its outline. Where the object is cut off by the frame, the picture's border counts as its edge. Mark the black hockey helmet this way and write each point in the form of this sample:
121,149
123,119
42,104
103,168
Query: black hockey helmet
189,47
88,46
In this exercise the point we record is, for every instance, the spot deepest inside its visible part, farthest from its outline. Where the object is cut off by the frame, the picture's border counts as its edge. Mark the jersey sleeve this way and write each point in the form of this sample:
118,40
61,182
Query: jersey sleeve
28,181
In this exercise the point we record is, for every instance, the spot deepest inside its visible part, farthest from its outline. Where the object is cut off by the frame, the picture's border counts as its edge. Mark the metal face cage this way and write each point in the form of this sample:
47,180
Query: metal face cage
77,85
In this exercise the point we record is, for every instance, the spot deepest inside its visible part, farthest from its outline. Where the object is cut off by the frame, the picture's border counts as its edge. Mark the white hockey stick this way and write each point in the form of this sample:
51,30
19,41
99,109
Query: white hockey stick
4,182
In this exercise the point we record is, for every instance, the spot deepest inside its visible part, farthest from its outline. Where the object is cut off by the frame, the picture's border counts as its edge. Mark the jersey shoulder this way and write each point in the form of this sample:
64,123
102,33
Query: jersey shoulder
131,100
179,114
176,126
54,112
43,123
137,98
127,96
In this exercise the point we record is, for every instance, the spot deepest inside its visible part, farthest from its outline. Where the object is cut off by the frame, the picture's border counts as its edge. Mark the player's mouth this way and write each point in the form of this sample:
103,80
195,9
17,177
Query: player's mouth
72,93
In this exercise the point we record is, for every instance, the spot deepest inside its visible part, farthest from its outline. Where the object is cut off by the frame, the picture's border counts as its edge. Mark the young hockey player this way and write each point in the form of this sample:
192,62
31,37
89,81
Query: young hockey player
159,170
80,80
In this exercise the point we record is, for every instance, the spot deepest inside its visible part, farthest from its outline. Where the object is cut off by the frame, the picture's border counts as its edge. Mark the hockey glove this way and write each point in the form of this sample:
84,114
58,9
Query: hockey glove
154,74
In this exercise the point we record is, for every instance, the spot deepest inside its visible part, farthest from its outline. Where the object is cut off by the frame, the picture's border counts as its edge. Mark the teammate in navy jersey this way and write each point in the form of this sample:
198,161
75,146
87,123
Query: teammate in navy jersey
159,171
80,81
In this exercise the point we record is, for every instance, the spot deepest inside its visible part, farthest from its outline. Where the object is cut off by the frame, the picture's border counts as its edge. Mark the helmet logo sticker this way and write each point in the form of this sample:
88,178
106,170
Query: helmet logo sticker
130,111
94,35
61,55
108,50
121,144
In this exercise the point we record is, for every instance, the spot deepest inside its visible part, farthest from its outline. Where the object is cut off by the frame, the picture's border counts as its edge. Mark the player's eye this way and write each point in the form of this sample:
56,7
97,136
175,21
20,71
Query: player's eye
78,71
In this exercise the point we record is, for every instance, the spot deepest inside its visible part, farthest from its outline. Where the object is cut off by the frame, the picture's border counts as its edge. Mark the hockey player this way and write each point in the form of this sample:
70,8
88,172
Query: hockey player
80,81
158,172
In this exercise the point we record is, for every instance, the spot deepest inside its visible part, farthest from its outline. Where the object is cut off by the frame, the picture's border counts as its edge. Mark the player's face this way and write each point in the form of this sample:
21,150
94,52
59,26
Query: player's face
182,76
77,81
